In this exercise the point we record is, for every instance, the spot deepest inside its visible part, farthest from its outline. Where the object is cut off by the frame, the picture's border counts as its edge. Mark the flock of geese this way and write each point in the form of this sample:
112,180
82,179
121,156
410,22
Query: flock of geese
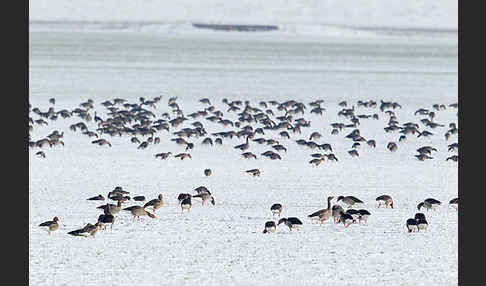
337,212
139,122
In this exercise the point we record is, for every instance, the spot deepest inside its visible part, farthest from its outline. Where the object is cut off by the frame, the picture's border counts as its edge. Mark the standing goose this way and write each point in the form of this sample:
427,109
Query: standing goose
186,204
411,225
105,218
138,211
291,222
155,203
51,225
363,215
183,196
349,200
336,212
422,224
346,219
323,214
429,204
270,227
385,200
454,203
208,172
205,197
276,209
354,213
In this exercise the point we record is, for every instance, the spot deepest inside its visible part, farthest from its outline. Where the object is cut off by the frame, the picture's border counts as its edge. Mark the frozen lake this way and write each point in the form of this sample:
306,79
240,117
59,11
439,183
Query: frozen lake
224,244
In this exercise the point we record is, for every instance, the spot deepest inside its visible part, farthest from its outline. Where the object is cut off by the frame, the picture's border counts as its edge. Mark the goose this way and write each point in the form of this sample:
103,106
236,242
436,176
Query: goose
454,203
155,203
113,209
385,200
291,222
411,225
419,216
422,224
163,156
51,225
205,197
253,172
276,209
349,200
454,158
186,204
202,190
346,219
41,154
371,143
323,214
106,218
429,204
86,231
392,146
336,212
97,198
139,198
270,227
183,196
249,155
353,153
363,215
182,156
316,162
354,213
138,211
208,172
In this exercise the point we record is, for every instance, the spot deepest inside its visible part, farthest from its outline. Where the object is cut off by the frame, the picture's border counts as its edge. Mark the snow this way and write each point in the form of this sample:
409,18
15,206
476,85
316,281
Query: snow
224,244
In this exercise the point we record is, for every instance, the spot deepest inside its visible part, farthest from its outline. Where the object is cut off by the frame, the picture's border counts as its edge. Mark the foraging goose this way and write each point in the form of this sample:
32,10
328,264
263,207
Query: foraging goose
454,203
419,216
323,214
291,222
349,200
336,212
354,213
270,227
106,218
276,209
386,200
429,204
41,154
205,197
138,211
346,219
202,190
363,215
51,225
155,203
86,231
182,156
392,146
97,198
163,156
411,225
186,204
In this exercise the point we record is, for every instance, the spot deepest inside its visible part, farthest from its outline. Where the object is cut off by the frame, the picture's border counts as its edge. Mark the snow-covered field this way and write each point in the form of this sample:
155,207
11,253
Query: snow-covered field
224,244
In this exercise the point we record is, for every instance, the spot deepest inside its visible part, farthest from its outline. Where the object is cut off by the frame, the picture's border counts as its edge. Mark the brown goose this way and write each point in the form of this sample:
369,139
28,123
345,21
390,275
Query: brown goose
155,203
113,209
349,200
208,172
385,200
51,225
323,214
97,198
106,218
138,211
89,229
336,212
205,197
183,156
